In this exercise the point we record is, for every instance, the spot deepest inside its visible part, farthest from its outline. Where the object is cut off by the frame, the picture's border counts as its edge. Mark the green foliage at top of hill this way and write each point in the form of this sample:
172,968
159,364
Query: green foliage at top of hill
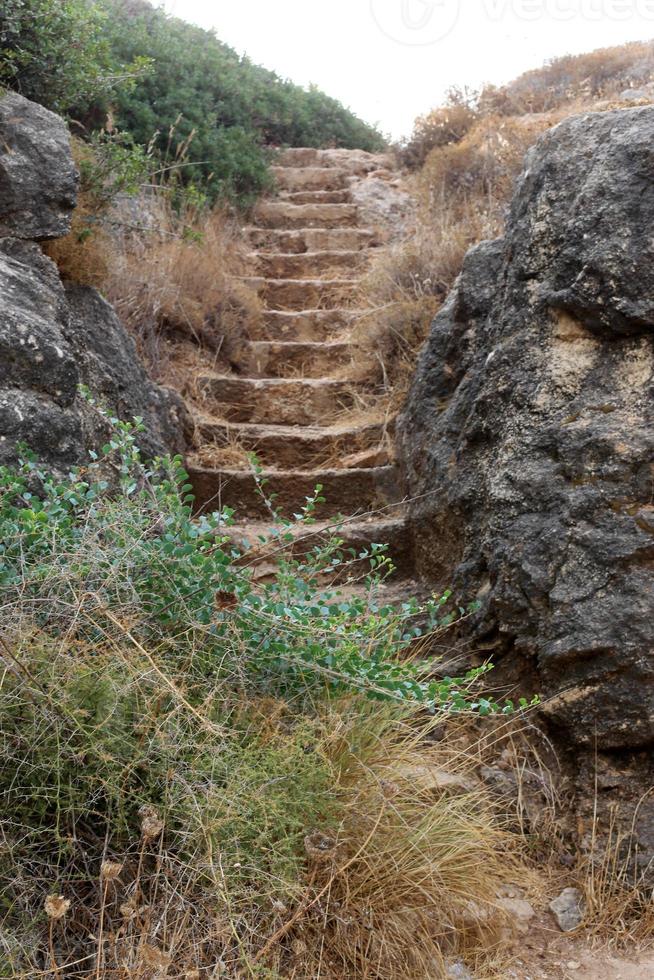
204,109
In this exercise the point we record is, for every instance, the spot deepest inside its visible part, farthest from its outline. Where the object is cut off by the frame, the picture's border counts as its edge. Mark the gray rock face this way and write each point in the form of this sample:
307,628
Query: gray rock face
53,338
38,373
38,179
109,366
528,436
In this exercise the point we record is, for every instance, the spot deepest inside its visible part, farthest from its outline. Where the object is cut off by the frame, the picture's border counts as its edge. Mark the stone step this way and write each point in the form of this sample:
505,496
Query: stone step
315,197
351,161
286,446
277,214
351,492
306,265
261,543
310,239
303,294
287,401
283,359
310,325
310,178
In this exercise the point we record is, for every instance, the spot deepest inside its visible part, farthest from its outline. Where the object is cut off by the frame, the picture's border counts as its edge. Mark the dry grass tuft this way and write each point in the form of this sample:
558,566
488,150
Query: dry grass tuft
181,280
230,455
171,266
83,256
618,902
446,124
411,874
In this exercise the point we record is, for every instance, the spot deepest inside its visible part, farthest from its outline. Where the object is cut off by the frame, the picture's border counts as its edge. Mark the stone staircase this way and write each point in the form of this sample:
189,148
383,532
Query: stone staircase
308,250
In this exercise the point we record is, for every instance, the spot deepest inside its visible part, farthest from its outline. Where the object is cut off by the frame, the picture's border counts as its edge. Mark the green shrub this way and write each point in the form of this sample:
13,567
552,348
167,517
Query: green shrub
206,113
56,52
119,534
170,728
232,108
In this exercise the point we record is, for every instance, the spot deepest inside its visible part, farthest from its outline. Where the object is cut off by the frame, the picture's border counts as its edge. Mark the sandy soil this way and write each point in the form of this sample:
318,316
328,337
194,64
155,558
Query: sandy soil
547,954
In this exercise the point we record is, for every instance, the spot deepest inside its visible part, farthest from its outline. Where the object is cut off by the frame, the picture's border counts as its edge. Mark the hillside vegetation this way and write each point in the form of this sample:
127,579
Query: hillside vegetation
463,159
204,772
170,86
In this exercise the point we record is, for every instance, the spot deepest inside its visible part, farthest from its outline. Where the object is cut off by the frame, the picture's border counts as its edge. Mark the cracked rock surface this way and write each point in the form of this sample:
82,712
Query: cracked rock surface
53,338
529,427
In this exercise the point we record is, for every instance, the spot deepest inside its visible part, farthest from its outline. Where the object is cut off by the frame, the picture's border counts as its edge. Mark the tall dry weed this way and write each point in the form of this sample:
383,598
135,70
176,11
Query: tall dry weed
180,281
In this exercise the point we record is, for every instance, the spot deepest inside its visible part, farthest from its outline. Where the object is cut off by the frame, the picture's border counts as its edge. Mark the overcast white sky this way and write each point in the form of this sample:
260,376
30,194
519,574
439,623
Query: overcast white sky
391,60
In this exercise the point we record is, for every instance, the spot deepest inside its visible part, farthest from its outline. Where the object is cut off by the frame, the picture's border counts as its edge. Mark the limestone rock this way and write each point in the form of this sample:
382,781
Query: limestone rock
52,339
382,204
568,909
109,366
528,441
38,179
458,971
38,373
519,914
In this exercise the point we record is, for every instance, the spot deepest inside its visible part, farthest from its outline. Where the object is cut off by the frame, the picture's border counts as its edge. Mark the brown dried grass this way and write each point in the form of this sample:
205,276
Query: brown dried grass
182,280
411,877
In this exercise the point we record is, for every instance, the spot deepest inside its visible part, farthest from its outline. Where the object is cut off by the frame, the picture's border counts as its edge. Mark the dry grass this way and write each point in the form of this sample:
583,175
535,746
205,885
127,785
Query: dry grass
83,256
618,901
466,156
181,280
172,268
443,125
399,871
583,78
462,192
230,455
411,874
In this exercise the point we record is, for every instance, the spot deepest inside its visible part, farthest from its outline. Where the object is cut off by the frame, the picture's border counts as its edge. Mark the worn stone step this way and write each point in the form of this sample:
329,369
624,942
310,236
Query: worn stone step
352,161
315,197
287,447
283,359
277,214
350,492
296,401
303,294
310,178
261,543
311,325
306,265
310,239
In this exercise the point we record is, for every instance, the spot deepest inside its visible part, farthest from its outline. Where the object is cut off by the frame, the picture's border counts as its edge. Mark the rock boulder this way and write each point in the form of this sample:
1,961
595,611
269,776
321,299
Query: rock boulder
38,179
54,338
528,448
528,438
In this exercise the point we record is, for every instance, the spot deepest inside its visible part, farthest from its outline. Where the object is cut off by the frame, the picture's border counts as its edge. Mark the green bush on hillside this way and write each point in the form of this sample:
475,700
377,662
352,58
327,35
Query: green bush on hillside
232,107
205,112
56,52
